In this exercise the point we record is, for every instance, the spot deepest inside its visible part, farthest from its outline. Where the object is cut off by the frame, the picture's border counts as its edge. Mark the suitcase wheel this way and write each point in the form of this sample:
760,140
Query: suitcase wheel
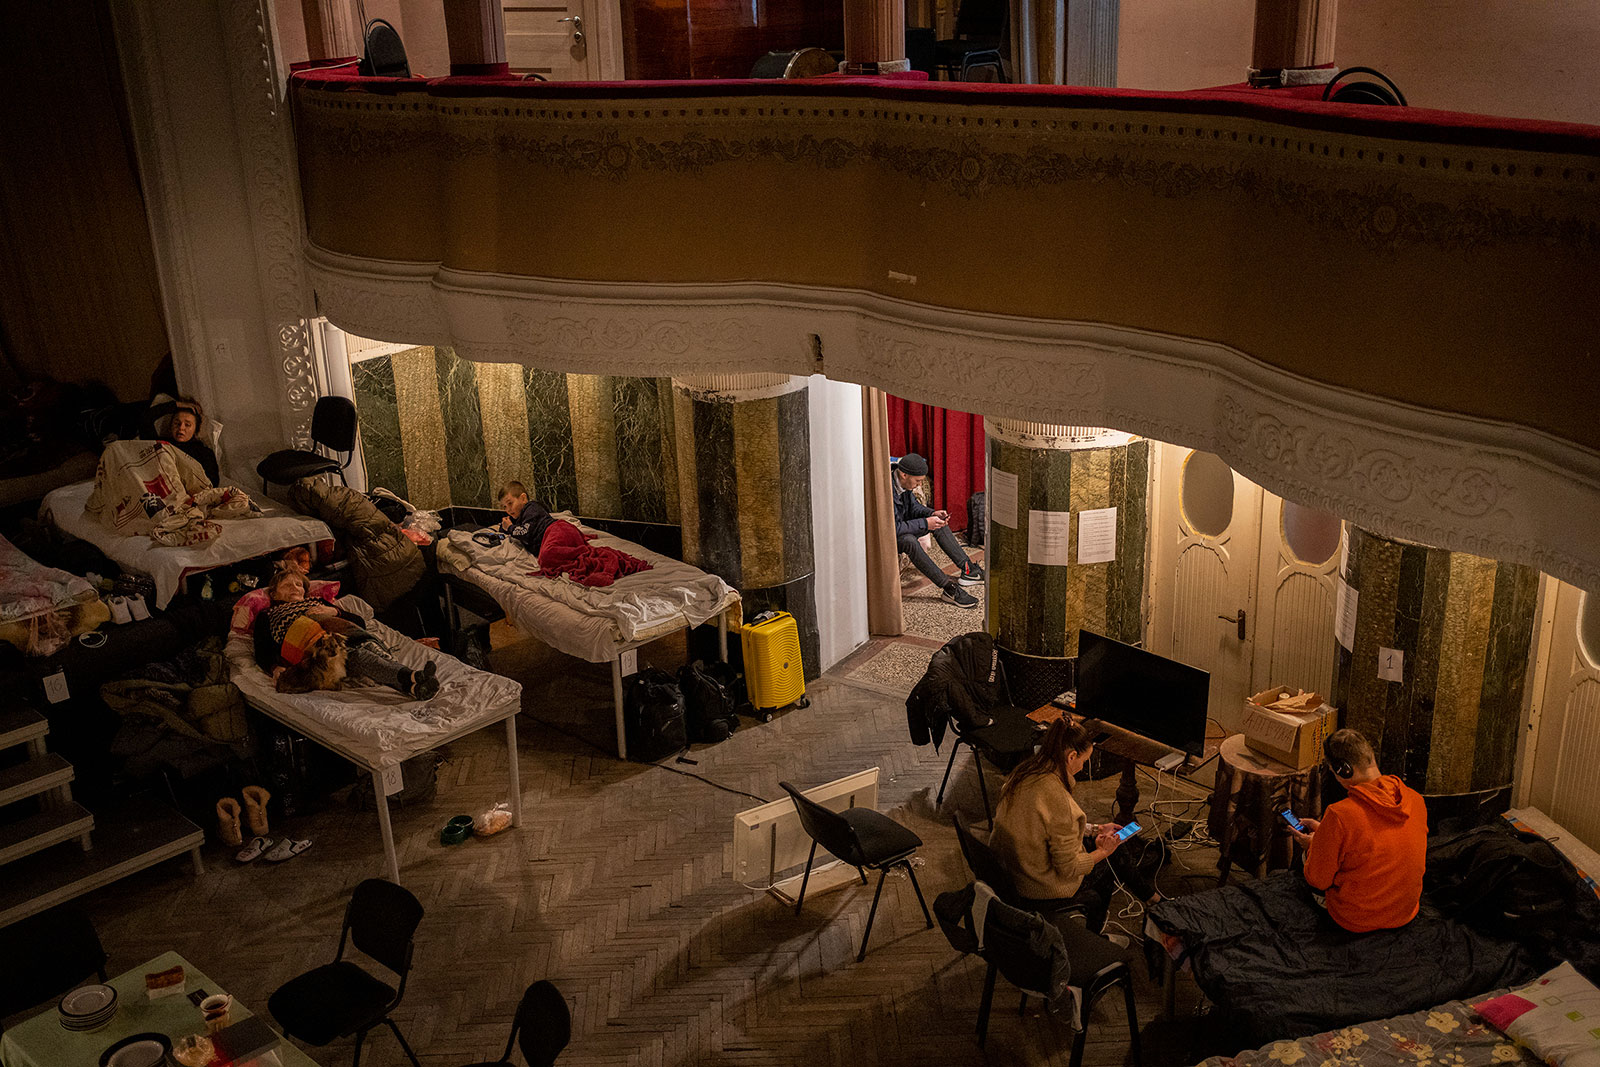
803,702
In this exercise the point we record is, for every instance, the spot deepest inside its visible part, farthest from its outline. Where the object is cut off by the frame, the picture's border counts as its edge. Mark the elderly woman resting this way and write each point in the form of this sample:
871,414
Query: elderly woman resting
307,644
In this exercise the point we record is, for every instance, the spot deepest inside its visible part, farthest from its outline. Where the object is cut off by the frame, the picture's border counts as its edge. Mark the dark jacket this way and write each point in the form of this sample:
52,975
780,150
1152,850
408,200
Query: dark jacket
201,453
384,563
964,679
530,527
910,514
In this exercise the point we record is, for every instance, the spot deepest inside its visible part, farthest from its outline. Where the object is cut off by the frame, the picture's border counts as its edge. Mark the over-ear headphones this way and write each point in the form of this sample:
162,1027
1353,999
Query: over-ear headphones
1340,768
1363,92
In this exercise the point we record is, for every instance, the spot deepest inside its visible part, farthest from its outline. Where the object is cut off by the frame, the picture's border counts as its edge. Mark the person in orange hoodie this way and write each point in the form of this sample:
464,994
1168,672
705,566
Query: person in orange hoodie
1368,851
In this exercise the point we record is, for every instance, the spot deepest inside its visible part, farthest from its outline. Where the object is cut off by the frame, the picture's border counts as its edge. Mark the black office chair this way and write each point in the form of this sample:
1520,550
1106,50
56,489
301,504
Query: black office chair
333,426
981,27
340,998
863,838
982,716
544,1025
61,949
1042,956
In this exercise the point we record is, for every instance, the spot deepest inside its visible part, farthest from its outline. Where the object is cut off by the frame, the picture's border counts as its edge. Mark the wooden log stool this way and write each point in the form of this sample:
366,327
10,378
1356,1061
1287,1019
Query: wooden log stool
1251,790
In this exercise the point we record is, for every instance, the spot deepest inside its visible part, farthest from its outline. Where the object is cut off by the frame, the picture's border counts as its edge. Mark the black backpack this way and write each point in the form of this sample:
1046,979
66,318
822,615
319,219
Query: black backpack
708,702
652,716
975,505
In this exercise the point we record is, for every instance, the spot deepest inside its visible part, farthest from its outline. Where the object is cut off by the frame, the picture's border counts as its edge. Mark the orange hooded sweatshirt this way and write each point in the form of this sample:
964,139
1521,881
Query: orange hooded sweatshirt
1369,854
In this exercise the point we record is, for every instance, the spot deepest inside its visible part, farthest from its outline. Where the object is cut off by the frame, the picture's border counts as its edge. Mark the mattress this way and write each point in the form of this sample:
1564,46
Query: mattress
592,624
375,724
240,539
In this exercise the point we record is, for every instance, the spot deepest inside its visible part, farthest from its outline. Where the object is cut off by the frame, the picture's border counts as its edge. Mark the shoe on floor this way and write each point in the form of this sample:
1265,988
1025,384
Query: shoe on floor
959,596
1115,939
971,574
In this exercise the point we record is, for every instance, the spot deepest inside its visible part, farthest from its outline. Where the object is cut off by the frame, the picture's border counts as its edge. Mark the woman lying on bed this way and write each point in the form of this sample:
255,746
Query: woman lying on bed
308,644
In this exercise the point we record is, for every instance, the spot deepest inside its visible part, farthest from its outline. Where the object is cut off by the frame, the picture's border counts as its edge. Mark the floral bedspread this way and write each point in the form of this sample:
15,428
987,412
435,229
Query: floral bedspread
1451,1035
28,588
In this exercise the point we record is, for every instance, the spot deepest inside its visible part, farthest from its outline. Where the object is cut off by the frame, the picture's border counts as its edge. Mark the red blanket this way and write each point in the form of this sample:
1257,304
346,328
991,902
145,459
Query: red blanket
566,550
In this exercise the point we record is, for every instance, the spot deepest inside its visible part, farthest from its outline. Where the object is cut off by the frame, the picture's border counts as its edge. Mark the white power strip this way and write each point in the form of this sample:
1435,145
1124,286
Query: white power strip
1170,761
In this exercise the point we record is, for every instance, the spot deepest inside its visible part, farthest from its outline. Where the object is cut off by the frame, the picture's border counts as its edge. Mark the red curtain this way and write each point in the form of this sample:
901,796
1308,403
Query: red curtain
951,442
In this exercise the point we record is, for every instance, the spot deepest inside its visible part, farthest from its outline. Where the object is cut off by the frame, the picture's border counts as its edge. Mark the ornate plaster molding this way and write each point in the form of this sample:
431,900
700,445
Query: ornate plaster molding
1483,487
727,388
1045,435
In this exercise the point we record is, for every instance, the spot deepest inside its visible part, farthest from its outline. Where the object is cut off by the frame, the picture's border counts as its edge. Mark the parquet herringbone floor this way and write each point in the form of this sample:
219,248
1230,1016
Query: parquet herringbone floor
617,887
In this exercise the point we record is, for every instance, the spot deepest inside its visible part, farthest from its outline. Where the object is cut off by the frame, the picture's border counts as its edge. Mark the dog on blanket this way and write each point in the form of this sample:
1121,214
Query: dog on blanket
322,667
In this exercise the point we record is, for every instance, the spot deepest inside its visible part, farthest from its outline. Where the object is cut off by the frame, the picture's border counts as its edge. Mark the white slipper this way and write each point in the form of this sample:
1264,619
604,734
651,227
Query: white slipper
253,849
288,849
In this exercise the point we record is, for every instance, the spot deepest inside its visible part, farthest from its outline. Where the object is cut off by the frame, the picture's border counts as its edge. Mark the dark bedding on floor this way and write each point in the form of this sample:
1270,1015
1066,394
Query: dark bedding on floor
1266,953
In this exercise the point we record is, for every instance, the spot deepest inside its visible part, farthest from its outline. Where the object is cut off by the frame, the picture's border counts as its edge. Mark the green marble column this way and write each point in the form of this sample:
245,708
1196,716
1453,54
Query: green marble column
1035,609
1462,627
743,448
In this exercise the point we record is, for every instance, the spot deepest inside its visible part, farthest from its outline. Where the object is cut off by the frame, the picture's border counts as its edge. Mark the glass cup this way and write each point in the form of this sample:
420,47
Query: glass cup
214,1010
193,1050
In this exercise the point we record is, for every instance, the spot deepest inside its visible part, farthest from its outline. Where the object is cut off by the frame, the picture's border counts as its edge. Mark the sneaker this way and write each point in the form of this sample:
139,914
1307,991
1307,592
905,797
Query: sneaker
138,609
959,596
971,574
1116,939
119,610
424,684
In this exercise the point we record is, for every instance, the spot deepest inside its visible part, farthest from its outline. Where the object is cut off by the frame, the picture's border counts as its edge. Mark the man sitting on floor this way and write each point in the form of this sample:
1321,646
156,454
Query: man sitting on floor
1368,851
913,518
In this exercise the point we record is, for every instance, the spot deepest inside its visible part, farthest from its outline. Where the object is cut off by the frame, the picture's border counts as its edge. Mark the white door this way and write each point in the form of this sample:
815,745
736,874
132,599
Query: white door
1564,784
564,40
1207,539
1300,553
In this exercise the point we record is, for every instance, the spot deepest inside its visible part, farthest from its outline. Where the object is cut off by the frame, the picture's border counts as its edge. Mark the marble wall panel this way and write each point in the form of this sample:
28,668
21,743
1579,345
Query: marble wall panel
503,403
554,474
642,475
422,427
591,400
382,443
465,452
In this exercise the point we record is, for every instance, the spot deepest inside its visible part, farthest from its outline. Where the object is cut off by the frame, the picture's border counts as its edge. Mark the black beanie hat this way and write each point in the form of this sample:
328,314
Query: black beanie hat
913,464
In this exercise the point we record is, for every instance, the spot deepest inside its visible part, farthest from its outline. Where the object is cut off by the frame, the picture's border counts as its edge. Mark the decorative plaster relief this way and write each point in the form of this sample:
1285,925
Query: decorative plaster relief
1467,484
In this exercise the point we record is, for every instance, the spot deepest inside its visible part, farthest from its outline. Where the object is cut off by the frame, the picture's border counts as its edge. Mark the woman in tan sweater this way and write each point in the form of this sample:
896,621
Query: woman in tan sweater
1043,837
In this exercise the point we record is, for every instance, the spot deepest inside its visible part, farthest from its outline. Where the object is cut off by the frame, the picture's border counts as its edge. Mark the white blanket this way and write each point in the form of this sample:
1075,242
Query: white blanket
29,588
590,623
377,723
240,539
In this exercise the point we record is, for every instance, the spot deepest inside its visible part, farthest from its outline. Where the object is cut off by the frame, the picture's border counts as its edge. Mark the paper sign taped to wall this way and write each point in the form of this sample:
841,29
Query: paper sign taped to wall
630,662
1050,538
1344,554
1097,535
1344,613
1003,498
1391,664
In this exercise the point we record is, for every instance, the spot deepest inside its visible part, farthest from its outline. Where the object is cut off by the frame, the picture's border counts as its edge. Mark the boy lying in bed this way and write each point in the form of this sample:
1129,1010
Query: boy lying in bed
561,548
307,644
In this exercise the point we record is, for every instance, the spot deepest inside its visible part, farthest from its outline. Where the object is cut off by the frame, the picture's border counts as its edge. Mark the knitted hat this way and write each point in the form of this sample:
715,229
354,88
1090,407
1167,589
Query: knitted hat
912,464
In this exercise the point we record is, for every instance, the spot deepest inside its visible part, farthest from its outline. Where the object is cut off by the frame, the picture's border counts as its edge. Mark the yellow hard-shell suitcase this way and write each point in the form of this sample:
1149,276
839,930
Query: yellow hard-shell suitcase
772,668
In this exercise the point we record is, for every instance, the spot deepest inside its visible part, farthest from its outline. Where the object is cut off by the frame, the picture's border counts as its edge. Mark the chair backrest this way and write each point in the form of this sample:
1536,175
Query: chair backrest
543,1025
978,678
985,863
380,920
60,949
384,55
827,828
983,20
333,423
1026,949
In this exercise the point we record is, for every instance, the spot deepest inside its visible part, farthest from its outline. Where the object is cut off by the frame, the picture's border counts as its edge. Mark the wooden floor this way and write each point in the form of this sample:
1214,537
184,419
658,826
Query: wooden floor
617,888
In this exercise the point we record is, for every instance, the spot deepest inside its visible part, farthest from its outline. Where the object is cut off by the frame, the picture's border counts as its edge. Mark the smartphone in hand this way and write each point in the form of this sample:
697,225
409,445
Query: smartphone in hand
1289,817
1128,831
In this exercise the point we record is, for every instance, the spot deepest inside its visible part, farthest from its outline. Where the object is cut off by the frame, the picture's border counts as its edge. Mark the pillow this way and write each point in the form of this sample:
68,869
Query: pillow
1557,1018
253,603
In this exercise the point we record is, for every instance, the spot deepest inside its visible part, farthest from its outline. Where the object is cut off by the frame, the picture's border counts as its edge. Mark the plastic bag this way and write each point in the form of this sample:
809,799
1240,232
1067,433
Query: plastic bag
427,522
490,822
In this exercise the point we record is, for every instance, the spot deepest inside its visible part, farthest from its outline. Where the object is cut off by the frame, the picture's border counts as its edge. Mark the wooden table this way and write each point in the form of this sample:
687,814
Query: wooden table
43,1042
1251,790
1135,751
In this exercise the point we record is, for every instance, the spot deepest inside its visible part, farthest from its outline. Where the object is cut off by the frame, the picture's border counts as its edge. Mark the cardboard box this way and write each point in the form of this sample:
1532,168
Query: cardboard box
1292,732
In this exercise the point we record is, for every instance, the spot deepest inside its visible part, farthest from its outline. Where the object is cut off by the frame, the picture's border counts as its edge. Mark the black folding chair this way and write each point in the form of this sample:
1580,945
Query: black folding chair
333,426
340,998
542,1027
863,838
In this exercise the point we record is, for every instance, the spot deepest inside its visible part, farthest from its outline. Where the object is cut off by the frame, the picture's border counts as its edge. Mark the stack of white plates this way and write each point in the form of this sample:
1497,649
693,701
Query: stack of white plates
88,1007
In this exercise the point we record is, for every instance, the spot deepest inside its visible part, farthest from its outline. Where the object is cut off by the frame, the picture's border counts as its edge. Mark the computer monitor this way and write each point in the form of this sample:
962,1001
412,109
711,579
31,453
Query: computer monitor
1140,691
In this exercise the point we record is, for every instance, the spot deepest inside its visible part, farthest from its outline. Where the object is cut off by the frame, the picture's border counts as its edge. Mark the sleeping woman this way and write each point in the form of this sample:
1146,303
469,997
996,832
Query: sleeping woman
308,644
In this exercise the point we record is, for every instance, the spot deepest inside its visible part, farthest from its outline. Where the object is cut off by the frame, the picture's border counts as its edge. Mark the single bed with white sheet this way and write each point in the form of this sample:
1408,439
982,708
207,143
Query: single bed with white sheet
271,531
376,727
594,624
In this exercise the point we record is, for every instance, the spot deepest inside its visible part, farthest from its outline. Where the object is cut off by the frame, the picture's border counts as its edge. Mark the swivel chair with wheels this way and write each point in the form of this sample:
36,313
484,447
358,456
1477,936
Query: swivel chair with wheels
333,426
862,838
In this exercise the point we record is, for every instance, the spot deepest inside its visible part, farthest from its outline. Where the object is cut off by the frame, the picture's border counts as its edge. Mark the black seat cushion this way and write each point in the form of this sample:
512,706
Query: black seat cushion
289,465
881,837
1008,739
1089,953
330,1002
